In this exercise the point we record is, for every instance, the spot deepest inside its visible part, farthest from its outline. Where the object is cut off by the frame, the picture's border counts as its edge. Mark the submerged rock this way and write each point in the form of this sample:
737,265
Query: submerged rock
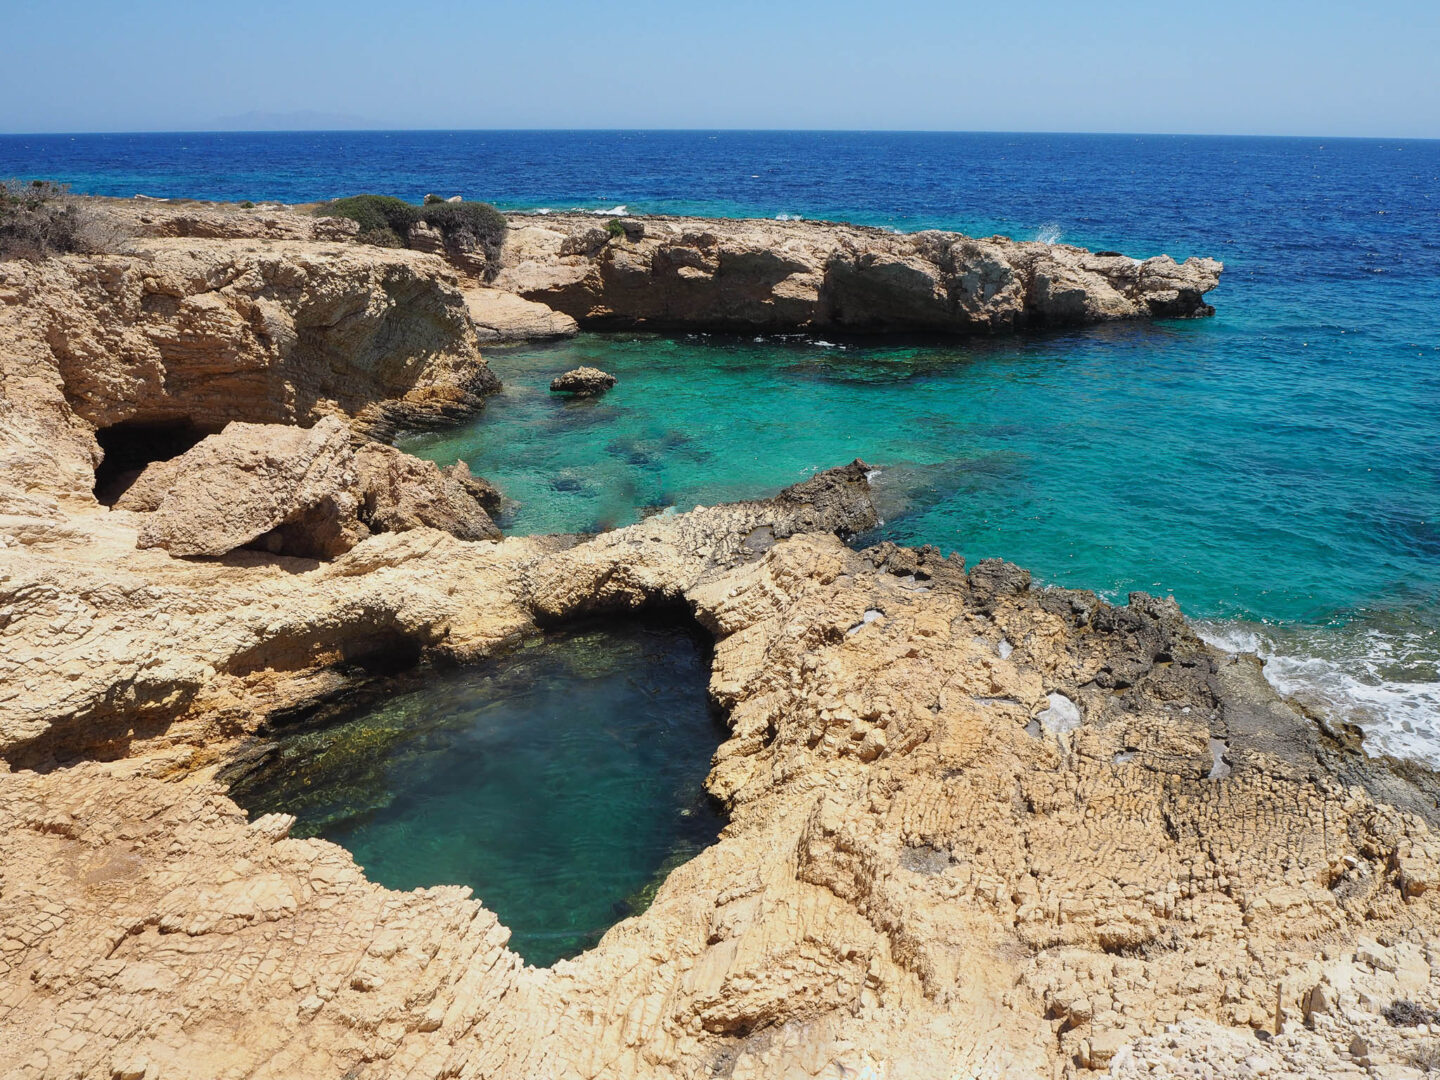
583,382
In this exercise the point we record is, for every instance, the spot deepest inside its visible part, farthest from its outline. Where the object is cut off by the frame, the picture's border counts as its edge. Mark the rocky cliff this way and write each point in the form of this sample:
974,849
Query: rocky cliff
177,335
710,274
977,828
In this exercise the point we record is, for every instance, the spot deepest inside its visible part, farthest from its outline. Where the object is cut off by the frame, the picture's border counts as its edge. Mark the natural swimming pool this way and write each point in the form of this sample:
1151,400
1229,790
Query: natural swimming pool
560,781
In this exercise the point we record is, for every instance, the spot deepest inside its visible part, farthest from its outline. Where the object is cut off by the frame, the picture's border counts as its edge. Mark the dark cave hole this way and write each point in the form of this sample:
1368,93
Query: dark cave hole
132,444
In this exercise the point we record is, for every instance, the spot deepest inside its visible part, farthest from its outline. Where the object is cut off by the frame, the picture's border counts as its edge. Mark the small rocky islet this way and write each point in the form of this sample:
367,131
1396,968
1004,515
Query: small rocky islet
974,827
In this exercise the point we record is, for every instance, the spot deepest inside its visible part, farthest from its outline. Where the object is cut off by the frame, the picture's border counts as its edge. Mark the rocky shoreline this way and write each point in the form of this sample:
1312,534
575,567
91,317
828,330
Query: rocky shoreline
976,827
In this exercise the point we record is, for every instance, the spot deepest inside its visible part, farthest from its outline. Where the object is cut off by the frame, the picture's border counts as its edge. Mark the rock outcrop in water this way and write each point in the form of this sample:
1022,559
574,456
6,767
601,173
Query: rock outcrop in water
582,382
977,828
776,276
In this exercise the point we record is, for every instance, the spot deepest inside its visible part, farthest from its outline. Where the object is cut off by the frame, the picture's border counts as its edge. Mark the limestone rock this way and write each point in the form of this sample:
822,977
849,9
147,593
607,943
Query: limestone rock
210,316
400,492
503,316
716,274
479,489
252,480
582,382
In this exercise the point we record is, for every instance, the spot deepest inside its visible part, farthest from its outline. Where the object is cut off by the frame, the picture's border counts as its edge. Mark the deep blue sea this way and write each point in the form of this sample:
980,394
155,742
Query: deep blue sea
1276,468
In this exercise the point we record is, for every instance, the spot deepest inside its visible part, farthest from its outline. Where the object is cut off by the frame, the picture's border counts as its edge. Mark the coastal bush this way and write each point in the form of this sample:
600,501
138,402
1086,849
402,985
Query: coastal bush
386,221
383,219
614,228
41,218
476,222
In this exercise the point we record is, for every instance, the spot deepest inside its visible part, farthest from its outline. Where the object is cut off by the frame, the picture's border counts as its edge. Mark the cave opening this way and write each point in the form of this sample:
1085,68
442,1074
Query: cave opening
131,445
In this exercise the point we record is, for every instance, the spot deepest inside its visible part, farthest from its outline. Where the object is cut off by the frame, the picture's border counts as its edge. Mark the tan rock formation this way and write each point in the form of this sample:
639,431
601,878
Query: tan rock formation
502,316
200,332
401,492
918,877
253,479
706,274
976,828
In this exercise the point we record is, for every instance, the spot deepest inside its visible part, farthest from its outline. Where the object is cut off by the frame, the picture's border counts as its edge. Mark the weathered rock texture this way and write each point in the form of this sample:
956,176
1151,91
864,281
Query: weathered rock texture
582,382
976,828
707,274
400,492
502,316
200,332
235,487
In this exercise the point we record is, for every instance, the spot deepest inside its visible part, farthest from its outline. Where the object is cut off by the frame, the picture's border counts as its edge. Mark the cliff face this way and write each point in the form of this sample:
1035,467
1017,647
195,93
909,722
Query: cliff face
705,274
198,332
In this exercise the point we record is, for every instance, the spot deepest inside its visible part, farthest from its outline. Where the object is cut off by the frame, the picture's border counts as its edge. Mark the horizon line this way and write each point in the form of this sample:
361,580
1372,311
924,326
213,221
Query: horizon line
702,131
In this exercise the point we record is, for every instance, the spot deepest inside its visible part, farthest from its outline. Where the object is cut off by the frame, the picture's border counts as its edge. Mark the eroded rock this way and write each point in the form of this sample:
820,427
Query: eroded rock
400,492
294,487
582,382
709,274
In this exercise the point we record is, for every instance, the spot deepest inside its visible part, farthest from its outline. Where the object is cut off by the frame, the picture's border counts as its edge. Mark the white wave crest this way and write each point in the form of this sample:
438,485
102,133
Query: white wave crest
1049,233
1384,680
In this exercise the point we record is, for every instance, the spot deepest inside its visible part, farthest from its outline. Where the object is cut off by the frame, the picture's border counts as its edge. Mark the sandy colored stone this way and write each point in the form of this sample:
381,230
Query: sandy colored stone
250,479
918,877
958,896
502,316
778,276
400,492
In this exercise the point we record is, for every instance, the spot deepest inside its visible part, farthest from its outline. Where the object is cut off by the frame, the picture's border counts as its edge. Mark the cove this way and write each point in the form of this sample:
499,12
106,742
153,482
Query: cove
561,781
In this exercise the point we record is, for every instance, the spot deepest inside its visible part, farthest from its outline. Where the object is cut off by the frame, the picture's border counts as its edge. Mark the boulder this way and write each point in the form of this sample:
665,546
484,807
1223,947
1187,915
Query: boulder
583,382
480,489
291,486
400,492
503,316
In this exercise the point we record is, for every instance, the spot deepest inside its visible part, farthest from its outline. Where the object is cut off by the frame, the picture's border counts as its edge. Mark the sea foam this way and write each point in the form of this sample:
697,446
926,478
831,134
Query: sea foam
1384,679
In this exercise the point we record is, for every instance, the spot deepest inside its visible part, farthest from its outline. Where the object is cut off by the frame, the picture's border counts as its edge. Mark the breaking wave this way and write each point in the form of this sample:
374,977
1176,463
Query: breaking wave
1381,673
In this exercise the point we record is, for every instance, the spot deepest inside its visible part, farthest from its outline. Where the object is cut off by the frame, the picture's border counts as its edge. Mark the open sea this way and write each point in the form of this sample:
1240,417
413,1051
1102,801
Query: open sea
1276,468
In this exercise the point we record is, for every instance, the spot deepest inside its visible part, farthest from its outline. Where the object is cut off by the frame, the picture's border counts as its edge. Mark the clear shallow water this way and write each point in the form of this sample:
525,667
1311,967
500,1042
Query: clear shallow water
1276,467
560,782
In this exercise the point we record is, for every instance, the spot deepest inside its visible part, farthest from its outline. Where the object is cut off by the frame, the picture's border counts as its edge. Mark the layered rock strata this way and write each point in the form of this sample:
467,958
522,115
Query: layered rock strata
777,276
185,335
976,828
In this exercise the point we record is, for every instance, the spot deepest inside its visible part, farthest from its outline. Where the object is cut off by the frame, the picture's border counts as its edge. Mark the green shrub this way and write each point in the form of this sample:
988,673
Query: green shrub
41,218
374,213
614,228
476,222
247,205
431,200
386,221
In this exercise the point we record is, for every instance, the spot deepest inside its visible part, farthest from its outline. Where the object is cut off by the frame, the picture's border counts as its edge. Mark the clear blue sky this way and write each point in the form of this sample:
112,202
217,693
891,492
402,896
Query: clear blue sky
1252,67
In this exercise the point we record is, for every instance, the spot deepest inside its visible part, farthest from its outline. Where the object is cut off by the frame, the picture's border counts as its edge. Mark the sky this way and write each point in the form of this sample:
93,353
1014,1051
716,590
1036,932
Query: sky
1274,67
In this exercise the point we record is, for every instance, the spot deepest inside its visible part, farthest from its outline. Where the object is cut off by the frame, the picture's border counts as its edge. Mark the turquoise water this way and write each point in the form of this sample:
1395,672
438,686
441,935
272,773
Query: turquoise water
1277,467
1279,502
559,782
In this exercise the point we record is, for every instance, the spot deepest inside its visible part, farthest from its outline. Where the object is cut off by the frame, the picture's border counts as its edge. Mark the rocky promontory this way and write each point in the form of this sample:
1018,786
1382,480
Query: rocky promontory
976,827
667,273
